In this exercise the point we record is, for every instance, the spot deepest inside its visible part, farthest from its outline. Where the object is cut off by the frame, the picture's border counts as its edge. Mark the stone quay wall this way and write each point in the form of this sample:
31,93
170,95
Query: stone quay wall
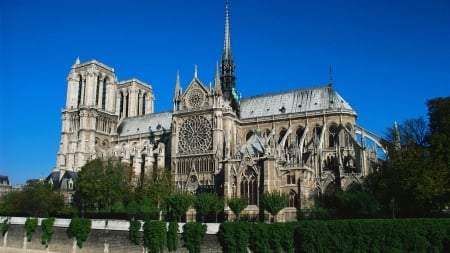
106,236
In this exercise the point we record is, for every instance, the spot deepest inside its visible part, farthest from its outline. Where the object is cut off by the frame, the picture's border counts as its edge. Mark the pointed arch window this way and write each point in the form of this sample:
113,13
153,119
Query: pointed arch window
292,199
249,186
299,134
104,94
80,90
348,142
121,105
97,91
143,103
333,137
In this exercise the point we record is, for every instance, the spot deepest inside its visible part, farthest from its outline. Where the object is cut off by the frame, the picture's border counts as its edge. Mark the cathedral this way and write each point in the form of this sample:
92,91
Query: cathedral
304,142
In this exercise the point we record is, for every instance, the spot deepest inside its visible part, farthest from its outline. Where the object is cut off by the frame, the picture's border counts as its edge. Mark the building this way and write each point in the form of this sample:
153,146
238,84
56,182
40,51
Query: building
5,186
304,142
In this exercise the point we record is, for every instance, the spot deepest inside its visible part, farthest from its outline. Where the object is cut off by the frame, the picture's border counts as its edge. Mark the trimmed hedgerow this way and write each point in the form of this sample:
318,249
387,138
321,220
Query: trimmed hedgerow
5,227
135,232
47,230
193,233
172,236
80,229
400,235
155,236
30,227
234,236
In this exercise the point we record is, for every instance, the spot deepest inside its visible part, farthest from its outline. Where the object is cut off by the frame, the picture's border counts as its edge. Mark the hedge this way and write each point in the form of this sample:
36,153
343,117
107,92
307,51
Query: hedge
400,235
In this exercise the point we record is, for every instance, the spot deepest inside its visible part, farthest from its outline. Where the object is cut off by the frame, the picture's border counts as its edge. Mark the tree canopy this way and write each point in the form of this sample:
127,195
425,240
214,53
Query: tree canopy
36,200
101,184
415,181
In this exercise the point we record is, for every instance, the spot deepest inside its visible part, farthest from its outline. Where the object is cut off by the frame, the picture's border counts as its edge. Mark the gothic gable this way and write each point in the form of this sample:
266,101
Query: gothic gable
196,95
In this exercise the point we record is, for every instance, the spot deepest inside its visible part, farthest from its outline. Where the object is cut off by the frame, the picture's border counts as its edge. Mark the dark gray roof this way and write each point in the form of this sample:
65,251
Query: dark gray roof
144,123
63,183
297,101
254,145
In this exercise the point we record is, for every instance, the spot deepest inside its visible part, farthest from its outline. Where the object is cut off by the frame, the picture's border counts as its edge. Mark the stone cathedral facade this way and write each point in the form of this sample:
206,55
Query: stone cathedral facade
303,142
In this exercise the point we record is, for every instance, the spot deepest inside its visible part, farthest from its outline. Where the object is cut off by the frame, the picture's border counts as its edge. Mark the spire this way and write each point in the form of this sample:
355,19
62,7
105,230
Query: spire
227,78
77,61
227,41
217,86
177,94
195,71
178,91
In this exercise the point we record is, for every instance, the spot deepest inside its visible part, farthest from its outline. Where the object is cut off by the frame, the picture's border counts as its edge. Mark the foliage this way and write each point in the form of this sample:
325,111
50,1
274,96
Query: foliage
30,227
259,238
36,200
5,227
415,181
203,204
103,184
179,203
314,213
206,203
155,236
217,205
155,187
234,236
172,236
193,234
237,205
134,232
273,202
356,204
414,235
80,229
47,230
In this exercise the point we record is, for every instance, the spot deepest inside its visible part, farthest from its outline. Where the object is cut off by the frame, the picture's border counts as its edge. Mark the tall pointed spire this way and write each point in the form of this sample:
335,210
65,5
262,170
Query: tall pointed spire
227,40
217,86
227,77
178,92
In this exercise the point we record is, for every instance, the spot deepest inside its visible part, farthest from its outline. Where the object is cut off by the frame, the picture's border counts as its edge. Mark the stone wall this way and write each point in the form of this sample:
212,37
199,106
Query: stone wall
113,238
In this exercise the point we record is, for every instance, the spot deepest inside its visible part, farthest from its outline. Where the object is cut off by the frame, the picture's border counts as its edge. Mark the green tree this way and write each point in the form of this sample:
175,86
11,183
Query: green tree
37,200
217,205
273,202
237,205
356,204
203,204
103,184
178,204
416,179
156,187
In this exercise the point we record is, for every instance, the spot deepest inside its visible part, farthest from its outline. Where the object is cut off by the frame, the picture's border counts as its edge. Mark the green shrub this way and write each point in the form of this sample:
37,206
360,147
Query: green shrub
47,231
259,238
155,236
193,234
234,236
5,227
135,233
30,227
80,229
172,236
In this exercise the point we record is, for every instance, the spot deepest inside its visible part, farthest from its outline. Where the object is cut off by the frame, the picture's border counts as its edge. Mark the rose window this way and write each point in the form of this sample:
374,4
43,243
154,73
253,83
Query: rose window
196,98
195,136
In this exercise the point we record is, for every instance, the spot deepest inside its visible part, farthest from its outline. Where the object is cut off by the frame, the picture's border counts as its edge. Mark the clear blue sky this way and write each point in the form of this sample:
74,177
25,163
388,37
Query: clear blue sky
388,57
